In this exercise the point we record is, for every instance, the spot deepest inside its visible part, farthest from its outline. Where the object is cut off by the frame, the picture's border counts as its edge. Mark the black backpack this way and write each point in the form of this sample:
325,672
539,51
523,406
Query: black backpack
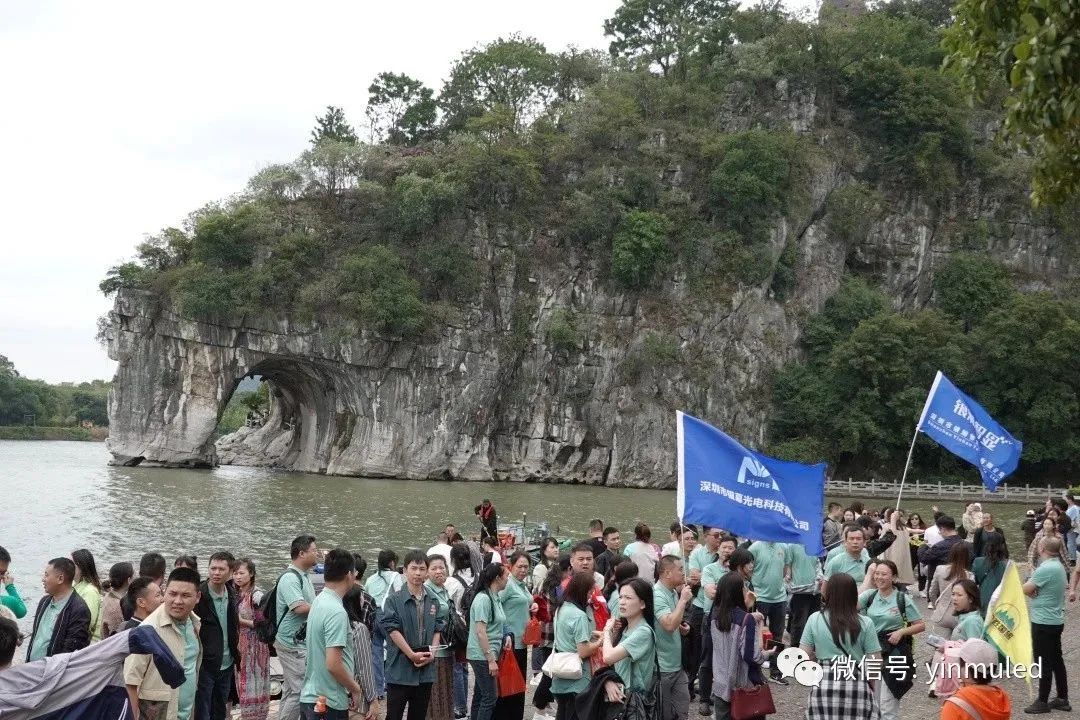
458,624
266,619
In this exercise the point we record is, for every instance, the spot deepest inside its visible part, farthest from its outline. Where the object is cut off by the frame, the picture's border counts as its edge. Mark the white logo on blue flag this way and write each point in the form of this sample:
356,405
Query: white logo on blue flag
723,484
961,426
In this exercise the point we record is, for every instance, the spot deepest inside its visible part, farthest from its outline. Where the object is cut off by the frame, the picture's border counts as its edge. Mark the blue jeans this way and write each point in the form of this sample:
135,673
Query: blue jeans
461,688
378,656
1070,544
212,693
484,691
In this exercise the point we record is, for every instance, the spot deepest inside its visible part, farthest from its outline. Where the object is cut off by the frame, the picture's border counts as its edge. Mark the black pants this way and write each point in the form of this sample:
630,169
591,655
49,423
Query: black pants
1046,646
566,706
691,645
803,605
704,673
775,614
415,696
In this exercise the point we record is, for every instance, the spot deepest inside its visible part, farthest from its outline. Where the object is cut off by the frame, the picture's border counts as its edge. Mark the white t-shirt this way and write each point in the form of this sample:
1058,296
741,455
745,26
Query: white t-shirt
440,549
672,548
932,536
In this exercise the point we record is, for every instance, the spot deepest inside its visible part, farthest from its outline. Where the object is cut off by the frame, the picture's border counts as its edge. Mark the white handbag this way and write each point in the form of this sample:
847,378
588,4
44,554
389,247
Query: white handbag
563,665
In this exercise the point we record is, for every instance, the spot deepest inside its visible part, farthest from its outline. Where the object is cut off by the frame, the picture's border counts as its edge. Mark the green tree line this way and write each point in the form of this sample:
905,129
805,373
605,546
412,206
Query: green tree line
856,398
35,402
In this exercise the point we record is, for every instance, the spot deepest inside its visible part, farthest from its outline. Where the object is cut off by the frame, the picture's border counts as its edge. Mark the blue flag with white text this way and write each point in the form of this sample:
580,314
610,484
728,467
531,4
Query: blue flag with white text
961,426
724,485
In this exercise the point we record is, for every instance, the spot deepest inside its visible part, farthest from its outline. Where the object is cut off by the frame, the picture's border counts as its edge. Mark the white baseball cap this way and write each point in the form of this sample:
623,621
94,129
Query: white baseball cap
980,654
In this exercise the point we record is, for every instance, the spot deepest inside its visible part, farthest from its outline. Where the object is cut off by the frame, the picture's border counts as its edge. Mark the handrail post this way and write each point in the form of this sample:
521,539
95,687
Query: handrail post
850,487
939,488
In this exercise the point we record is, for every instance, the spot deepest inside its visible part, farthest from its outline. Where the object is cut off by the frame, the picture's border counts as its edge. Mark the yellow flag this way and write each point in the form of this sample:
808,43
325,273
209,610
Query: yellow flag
1008,625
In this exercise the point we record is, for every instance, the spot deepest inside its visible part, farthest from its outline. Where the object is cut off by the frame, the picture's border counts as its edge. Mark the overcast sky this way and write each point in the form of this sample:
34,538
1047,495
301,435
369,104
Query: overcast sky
122,117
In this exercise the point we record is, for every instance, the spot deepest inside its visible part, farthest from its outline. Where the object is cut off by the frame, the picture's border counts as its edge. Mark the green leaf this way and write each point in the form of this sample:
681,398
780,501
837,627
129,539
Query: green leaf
1016,75
1030,23
1022,51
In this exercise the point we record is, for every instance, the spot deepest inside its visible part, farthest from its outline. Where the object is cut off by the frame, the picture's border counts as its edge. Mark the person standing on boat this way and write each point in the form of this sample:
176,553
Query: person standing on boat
489,522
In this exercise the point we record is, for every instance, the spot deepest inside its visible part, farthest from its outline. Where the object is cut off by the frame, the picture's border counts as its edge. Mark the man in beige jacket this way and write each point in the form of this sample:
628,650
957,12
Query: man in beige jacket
178,627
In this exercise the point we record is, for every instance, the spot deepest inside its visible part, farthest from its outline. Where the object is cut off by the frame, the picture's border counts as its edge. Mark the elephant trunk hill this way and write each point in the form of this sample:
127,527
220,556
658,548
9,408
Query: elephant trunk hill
532,298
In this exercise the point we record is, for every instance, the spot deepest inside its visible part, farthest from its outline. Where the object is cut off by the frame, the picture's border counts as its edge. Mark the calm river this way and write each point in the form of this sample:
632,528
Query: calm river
60,496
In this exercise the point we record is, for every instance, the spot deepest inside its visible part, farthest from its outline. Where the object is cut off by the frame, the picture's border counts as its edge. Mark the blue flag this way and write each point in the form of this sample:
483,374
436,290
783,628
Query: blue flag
961,426
724,485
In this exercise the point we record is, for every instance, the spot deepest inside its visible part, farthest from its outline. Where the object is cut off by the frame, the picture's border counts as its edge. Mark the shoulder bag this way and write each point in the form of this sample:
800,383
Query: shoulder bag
753,701
563,665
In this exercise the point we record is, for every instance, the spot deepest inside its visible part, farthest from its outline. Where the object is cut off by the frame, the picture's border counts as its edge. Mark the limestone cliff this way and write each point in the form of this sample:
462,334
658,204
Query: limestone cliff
490,398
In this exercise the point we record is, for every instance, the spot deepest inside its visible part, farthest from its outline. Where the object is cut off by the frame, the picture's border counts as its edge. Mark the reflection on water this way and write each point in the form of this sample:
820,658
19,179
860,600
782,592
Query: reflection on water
60,496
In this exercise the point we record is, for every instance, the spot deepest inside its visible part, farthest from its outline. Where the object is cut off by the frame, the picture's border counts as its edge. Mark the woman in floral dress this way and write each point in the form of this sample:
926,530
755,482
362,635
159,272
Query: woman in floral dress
253,670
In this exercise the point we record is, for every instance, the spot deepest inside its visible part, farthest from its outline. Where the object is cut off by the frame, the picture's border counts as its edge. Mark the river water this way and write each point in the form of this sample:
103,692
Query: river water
60,496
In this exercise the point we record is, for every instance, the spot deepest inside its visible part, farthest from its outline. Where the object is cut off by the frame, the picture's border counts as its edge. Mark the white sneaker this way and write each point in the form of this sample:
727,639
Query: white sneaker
535,680
929,606
540,715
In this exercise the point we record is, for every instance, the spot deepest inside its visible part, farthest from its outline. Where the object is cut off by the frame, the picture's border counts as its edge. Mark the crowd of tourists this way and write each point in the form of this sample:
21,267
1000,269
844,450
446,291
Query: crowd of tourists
705,615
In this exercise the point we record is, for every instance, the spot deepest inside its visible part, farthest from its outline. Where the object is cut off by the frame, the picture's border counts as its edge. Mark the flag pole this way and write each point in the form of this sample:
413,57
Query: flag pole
918,426
907,465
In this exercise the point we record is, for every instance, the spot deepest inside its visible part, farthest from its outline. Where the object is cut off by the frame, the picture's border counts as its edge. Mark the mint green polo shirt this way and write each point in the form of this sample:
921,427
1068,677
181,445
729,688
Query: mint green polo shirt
804,568
668,644
327,627
711,576
516,601
818,636
769,561
1048,606
844,563
639,665
291,590
221,609
572,627
491,613
969,625
885,611
700,558
45,628
185,702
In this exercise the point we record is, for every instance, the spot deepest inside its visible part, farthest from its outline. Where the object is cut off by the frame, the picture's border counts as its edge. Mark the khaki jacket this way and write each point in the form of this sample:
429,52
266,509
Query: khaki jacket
140,670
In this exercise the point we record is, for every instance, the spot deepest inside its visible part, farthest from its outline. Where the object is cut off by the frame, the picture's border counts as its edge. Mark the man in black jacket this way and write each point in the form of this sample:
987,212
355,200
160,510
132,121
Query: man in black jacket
220,631
876,542
938,554
62,621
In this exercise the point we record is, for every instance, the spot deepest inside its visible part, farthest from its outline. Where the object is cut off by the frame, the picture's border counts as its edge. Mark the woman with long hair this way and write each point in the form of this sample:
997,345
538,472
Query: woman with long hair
447,591
575,633
897,620
628,643
112,614
253,665
487,622
940,593
461,570
989,569
549,556
518,605
737,647
839,634
1049,530
88,585
899,552
969,620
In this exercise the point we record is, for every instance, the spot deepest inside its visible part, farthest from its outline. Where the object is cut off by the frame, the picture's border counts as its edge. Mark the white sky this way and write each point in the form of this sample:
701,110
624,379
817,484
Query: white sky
122,117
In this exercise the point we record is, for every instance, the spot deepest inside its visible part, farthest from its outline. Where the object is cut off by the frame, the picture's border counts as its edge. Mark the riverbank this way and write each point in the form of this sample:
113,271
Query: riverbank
27,432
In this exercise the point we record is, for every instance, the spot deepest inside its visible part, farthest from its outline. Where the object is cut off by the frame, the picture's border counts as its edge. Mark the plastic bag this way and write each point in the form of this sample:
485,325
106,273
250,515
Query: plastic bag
511,680
533,636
